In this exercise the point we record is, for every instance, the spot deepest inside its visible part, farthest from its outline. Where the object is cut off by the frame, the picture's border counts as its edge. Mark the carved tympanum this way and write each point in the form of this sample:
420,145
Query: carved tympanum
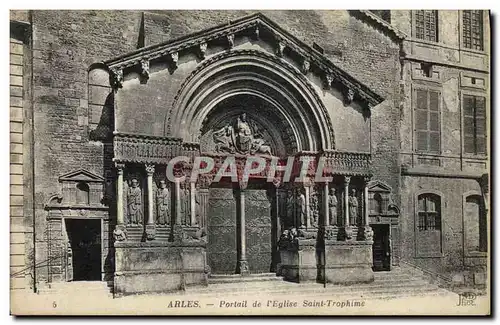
239,137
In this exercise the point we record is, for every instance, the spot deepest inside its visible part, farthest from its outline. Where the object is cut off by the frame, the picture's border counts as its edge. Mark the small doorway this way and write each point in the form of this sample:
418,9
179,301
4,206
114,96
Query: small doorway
85,245
381,248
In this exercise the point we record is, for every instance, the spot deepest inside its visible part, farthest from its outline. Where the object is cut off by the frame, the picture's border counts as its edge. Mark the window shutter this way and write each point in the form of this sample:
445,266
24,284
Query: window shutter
480,125
469,129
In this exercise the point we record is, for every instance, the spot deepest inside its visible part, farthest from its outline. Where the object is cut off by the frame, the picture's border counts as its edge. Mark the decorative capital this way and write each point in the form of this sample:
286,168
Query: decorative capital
119,168
145,69
366,179
256,32
306,65
280,48
150,169
202,49
347,180
328,80
348,96
116,78
174,58
230,40
242,185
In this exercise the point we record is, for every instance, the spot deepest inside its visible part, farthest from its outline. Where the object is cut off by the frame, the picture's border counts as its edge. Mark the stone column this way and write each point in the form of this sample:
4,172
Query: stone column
307,193
192,194
120,232
150,224
347,226
368,231
242,262
178,212
326,210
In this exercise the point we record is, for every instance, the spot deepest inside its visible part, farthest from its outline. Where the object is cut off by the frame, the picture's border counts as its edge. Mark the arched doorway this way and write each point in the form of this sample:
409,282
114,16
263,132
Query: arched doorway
244,103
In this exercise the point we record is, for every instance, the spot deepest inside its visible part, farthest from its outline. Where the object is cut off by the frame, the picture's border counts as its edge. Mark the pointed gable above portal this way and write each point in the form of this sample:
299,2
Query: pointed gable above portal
377,186
81,175
256,26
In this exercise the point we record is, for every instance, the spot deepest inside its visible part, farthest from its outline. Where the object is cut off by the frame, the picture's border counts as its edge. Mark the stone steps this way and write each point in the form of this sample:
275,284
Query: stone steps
237,278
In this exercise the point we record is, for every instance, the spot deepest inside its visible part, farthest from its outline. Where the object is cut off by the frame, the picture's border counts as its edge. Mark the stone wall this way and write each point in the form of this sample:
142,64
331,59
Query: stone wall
67,43
17,222
451,172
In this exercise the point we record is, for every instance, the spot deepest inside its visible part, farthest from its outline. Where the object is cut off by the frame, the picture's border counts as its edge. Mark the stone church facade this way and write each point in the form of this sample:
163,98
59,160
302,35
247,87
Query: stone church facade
102,101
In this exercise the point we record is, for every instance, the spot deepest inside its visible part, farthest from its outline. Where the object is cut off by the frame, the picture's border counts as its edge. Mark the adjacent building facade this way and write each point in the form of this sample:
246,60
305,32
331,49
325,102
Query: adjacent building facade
395,104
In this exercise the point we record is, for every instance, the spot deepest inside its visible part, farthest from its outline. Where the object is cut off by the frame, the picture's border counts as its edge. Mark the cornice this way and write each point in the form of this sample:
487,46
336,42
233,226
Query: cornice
308,57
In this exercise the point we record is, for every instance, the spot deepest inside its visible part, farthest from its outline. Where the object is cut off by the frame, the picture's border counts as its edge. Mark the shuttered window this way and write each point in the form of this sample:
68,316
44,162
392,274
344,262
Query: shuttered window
472,29
429,212
474,124
427,121
426,25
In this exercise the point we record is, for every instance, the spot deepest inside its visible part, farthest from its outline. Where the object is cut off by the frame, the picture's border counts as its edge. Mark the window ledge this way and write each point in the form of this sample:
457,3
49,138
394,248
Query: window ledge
477,254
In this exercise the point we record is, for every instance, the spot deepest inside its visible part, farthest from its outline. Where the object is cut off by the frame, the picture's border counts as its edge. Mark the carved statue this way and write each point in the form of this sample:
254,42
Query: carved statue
332,206
290,206
222,140
301,209
163,204
239,138
134,200
314,209
353,206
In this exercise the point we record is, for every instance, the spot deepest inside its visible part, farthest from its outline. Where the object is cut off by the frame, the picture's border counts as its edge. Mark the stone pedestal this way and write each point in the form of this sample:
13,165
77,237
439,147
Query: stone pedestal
346,262
299,261
158,267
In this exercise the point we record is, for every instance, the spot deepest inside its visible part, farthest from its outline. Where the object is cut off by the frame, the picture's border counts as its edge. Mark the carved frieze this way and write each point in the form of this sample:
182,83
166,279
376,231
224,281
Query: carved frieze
143,149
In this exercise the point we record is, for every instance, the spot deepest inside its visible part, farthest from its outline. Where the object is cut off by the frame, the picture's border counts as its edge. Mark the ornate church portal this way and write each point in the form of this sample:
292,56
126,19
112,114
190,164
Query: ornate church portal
247,89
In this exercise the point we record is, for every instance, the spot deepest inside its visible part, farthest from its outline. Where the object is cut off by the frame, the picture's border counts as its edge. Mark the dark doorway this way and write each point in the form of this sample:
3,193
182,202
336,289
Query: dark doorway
381,248
85,241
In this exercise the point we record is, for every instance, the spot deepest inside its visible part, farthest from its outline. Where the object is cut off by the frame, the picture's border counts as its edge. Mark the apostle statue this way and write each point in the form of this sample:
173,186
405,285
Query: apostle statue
134,200
163,204
315,209
353,207
301,209
332,206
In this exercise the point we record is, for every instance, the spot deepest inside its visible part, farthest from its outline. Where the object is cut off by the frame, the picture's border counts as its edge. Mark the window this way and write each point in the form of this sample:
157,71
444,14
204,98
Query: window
474,124
476,224
428,225
376,204
472,27
426,25
429,214
82,193
427,122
